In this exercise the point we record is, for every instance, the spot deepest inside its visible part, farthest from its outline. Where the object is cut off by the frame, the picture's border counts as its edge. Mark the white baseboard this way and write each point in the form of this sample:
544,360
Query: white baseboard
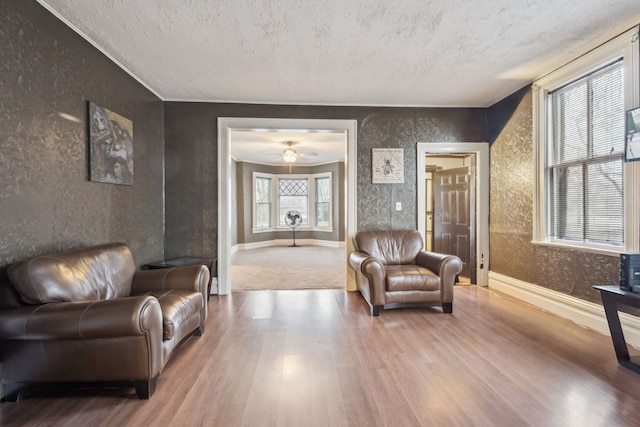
582,312
288,242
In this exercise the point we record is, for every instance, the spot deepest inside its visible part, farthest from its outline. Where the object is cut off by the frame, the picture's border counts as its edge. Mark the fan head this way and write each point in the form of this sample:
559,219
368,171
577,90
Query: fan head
293,218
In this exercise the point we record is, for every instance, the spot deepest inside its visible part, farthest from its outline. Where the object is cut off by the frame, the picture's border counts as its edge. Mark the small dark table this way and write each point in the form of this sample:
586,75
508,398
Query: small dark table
211,264
611,296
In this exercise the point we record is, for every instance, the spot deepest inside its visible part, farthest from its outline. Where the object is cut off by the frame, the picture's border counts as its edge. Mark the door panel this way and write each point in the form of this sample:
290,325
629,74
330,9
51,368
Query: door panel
454,218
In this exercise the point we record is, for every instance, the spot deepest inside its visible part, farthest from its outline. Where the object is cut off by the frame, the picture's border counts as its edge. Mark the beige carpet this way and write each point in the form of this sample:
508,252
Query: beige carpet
283,267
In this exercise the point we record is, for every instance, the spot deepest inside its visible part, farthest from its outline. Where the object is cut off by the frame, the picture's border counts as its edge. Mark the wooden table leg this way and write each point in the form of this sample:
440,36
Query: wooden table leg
617,336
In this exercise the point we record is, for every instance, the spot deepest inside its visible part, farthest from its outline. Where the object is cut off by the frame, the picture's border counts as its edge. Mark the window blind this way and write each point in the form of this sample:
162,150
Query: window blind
585,161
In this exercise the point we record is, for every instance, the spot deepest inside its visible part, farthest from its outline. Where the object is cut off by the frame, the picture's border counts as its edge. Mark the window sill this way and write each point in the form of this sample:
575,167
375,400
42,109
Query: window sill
614,252
280,229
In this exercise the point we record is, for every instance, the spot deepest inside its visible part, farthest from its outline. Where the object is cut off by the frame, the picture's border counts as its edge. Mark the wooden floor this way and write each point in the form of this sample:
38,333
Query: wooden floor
317,358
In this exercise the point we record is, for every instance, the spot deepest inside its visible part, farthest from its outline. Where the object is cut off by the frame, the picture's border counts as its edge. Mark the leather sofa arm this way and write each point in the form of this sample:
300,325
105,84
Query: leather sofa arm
373,269
129,316
367,265
190,278
445,266
356,259
441,264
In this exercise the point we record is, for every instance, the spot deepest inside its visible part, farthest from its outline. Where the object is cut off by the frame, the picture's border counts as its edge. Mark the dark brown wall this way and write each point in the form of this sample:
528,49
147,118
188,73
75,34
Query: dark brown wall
191,156
511,211
47,203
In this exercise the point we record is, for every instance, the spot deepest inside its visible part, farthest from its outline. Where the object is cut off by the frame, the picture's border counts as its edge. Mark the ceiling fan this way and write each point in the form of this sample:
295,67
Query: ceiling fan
290,155
287,152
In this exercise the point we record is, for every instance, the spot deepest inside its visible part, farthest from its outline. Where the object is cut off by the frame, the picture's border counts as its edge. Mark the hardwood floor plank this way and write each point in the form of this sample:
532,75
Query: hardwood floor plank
318,358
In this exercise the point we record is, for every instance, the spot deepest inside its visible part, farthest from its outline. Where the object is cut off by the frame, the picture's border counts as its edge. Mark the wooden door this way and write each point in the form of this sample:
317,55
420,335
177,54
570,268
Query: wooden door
454,216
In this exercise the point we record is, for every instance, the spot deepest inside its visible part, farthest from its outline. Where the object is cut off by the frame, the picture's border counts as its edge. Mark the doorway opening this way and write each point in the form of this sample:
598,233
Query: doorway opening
450,201
227,189
453,203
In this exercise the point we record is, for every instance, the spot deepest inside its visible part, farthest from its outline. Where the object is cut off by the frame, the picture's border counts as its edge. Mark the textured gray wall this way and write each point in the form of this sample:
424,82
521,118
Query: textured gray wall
191,182
47,203
511,229
191,157
244,194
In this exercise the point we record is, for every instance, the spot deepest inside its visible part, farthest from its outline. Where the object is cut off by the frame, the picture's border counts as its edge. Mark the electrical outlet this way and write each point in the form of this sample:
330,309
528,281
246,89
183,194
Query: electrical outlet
398,206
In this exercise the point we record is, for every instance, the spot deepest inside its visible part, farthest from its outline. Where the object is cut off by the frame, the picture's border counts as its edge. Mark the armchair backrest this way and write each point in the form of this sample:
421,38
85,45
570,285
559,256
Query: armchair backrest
392,247
94,273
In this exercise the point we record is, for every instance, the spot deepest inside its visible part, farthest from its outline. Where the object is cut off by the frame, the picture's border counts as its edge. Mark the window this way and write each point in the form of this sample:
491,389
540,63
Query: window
323,202
275,195
586,146
584,188
262,199
293,195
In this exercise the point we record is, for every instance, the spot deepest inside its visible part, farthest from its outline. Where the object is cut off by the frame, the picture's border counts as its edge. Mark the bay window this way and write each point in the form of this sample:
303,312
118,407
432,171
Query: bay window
274,195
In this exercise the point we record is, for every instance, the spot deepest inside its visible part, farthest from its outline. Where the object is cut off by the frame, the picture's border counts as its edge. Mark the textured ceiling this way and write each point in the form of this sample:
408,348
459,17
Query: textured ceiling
468,53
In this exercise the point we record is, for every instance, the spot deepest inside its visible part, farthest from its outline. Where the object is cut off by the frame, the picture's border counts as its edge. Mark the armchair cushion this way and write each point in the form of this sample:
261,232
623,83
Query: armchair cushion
411,278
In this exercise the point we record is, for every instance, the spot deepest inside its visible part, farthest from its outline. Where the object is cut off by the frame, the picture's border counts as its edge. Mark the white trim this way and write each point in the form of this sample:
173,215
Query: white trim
481,149
225,126
595,249
584,313
284,228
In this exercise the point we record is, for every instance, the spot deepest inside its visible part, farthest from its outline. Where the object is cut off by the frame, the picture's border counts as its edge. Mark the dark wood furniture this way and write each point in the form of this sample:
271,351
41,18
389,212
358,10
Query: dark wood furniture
612,296
211,264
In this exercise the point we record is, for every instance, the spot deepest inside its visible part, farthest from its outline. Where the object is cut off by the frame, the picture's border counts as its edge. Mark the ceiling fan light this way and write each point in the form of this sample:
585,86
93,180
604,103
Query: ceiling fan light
289,154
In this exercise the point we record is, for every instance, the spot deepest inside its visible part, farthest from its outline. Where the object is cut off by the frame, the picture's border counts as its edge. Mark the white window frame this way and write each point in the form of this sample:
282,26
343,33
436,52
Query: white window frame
254,218
624,46
275,201
315,202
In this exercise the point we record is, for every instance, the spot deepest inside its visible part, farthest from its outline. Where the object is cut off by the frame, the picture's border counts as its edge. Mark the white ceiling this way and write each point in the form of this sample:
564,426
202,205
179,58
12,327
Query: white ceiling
267,146
450,53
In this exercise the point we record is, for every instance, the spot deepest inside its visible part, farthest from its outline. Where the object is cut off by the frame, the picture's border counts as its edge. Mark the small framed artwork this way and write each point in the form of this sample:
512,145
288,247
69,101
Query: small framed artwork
110,146
632,143
388,165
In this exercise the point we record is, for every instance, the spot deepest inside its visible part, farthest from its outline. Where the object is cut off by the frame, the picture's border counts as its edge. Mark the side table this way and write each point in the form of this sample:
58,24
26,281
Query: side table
211,264
612,296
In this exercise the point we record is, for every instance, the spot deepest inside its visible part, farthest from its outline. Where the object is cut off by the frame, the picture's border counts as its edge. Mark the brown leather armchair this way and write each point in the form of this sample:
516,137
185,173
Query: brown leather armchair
88,318
393,269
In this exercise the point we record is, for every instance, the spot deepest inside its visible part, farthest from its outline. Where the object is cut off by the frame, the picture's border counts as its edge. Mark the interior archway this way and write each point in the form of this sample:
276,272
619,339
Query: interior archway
225,126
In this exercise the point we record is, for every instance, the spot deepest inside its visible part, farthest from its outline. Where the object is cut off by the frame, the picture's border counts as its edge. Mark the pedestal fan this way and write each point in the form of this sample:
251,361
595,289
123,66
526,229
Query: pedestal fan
293,219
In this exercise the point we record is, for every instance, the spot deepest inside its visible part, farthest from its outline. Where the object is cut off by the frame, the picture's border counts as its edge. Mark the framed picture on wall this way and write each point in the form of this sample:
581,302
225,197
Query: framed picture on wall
632,142
387,165
110,146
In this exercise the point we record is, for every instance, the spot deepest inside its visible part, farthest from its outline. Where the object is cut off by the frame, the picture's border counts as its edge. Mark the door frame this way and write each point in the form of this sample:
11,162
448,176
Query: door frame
225,126
481,149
